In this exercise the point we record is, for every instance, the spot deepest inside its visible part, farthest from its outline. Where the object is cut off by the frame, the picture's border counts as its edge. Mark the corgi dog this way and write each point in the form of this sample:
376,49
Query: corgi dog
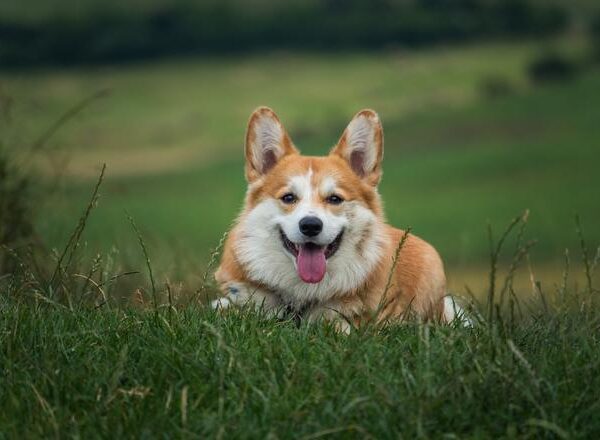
312,238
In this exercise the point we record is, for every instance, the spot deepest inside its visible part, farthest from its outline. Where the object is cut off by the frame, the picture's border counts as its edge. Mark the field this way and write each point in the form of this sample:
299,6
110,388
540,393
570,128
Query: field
470,141
455,158
195,374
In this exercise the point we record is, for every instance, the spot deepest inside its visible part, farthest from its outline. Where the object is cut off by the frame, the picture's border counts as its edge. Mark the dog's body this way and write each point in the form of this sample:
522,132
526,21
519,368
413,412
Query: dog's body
312,237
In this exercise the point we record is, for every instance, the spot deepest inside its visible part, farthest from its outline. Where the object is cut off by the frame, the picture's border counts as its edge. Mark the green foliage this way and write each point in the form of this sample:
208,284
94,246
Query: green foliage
595,33
89,373
118,31
453,159
552,66
76,363
16,223
524,370
496,87
17,199
16,220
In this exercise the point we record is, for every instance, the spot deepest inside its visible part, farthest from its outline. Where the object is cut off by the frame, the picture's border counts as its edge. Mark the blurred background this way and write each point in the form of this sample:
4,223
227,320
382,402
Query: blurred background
489,107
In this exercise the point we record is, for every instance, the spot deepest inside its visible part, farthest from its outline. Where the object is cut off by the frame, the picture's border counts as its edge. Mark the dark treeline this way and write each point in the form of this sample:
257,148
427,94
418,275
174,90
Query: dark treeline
117,34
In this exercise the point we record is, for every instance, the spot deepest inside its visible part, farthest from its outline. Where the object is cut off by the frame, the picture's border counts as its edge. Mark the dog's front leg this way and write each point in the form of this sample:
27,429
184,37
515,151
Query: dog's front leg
240,294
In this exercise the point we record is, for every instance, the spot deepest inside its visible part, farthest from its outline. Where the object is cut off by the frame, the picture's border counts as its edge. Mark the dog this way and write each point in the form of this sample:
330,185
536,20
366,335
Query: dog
312,238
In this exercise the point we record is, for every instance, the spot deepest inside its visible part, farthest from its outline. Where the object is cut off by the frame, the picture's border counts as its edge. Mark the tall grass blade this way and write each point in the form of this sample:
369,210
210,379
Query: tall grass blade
147,258
73,243
587,262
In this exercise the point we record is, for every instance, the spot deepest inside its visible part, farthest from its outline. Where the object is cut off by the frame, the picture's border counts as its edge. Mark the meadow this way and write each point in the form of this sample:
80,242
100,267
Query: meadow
195,374
456,159
89,349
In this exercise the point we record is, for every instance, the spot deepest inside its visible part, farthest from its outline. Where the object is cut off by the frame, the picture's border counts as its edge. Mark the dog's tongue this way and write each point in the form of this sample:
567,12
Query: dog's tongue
311,263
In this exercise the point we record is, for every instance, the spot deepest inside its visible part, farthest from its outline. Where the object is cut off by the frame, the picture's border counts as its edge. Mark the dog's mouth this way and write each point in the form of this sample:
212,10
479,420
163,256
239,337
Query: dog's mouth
311,259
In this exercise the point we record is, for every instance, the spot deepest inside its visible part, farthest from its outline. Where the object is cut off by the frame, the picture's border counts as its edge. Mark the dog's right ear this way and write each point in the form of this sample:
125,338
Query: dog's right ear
266,143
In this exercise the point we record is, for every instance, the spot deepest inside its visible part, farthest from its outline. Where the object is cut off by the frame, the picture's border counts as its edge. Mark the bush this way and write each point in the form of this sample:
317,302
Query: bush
595,31
16,227
552,67
496,87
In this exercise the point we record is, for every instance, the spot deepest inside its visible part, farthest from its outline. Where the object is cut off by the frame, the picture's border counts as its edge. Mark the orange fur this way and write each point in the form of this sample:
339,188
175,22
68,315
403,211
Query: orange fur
417,284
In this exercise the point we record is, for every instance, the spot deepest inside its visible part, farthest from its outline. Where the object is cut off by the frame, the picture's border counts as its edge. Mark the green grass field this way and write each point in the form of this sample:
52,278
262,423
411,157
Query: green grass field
99,358
171,135
196,374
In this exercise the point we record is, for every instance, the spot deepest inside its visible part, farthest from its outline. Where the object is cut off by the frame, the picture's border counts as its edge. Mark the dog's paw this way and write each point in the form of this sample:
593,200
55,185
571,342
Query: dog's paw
232,297
331,315
220,303
455,314
342,326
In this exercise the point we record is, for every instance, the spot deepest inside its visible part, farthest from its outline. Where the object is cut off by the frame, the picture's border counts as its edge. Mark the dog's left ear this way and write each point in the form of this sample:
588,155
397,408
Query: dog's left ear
361,145
266,143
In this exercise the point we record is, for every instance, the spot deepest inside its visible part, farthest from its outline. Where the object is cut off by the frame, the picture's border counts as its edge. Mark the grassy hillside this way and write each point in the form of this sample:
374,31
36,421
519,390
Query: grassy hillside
87,350
171,135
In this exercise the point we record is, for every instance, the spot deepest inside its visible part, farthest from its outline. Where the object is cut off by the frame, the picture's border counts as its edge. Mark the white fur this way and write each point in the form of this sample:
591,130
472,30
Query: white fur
452,312
360,136
301,186
328,186
241,295
262,253
268,136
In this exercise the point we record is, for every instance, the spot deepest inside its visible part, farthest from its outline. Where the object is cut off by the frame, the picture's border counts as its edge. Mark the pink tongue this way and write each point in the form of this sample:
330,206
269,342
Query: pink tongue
311,263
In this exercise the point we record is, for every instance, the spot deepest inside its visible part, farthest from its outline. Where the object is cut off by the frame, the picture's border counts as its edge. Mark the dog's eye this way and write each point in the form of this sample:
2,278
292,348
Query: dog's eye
288,198
334,199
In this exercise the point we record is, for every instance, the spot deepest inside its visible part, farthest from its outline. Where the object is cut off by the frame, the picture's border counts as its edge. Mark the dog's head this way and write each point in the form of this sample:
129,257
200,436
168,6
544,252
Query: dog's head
317,213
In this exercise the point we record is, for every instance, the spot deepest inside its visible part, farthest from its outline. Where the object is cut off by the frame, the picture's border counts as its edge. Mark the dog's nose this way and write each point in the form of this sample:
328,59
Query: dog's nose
311,226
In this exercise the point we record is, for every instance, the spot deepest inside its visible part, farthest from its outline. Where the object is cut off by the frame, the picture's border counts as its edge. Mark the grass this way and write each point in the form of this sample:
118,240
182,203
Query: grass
454,160
75,363
194,373
89,349
205,104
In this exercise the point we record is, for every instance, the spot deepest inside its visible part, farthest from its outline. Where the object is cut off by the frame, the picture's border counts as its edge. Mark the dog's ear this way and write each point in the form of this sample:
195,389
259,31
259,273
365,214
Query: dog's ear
361,145
266,143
